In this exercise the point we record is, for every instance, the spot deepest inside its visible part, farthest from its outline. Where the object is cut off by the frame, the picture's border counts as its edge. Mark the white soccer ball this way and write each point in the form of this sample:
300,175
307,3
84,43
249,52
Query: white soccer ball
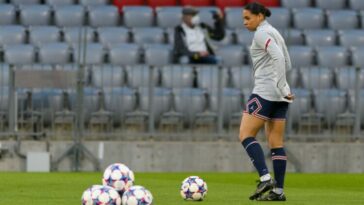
100,195
137,195
118,176
193,188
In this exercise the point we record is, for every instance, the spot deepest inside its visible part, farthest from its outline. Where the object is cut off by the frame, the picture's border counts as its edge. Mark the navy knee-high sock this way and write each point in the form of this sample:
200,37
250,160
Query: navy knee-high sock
279,160
256,155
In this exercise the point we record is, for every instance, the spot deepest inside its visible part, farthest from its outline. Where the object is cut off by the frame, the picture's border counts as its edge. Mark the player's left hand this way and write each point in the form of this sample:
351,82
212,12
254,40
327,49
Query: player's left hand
290,97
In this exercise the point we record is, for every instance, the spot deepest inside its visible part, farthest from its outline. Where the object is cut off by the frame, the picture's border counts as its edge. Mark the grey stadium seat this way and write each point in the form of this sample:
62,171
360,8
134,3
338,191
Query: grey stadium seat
108,76
353,106
242,77
189,102
346,78
59,2
20,54
332,4
94,54
296,3
124,54
90,100
300,105
205,14
138,16
12,34
39,35
207,77
351,38
4,74
148,35
72,35
317,77
231,55
293,36
21,2
332,56
170,35
301,56
54,53
7,14
293,77
244,37
169,16
233,18
109,36
308,18
158,55
177,76
280,18
4,100
342,19
231,102
358,56
93,2
35,15
103,16
138,76
320,37
356,4
119,101
227,40
161,101
69,15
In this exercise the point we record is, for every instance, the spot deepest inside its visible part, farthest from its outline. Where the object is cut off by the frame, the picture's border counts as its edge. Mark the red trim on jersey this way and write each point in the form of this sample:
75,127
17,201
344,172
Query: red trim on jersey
267,44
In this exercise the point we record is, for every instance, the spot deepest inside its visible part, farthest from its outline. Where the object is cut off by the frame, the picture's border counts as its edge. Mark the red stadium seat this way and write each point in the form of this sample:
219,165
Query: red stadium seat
121,3
229,3
197,2
268,3
155,3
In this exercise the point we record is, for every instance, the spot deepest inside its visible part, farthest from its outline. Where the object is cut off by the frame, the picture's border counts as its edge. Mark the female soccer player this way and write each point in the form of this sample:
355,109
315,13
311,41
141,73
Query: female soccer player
268,104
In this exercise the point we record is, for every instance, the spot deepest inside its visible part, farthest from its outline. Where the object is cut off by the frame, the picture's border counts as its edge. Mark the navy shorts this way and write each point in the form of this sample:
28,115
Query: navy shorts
265,109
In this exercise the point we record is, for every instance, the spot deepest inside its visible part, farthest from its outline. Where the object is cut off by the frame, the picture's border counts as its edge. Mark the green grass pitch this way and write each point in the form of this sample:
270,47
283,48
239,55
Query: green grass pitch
224,188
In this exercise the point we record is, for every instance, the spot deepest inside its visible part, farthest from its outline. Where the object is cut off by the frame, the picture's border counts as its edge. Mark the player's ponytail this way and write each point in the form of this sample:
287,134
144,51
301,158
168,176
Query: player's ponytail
258,8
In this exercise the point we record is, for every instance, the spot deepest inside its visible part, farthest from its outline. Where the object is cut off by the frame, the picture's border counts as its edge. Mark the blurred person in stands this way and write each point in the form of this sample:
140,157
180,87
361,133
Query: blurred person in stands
268,104
191,38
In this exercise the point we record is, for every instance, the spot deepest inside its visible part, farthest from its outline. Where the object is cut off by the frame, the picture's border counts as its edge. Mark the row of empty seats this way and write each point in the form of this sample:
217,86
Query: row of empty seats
169,17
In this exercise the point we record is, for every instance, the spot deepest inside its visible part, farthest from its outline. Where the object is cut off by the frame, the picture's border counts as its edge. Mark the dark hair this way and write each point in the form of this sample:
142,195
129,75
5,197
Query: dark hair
258,8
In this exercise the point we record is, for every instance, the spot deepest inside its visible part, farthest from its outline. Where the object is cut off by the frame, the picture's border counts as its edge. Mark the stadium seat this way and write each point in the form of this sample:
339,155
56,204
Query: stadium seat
148,35
244,37
231,102
12,34
346,78
138,16
357,57
308,18
39,35
35,15
170,36
119,101
106,75
4,75
267,3
124,54
156,3
205,14
231,55
189,102
296,3
72,35
300,105
22,2
20,54
69,15
242,77
90,101
320,37
356,4
109,36
208,77
301,56
7,14
280,18
4,99
351,38
222,4
161,101
293,77
158,55
56,3
332,4
138,76
169,17
226,41
332,56
293,36
352,103
177,76
94,54
93,2
233,18
196,2
342,19
103,15
317,77
54,53
121,3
